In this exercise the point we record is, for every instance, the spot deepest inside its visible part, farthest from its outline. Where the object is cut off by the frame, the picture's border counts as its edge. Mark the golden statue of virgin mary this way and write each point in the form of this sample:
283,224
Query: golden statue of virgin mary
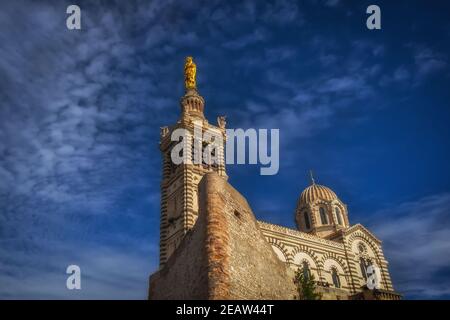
190,70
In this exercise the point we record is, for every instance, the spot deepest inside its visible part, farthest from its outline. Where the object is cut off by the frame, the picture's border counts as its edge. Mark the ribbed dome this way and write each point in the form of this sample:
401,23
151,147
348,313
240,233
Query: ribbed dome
316,191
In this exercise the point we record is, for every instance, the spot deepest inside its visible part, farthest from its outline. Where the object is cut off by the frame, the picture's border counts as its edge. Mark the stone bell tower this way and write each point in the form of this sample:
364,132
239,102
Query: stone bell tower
179,203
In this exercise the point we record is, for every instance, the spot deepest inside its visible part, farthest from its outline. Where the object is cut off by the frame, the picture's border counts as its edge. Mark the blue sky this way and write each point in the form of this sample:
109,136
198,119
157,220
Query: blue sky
80,113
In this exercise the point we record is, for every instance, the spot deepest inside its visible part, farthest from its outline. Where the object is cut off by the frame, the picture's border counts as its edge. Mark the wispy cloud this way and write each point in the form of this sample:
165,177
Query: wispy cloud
106,272
332,3
246,40
75,127
428,61
416,242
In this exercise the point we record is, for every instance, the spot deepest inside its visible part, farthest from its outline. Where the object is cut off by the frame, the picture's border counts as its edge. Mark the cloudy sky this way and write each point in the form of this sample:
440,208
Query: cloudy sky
80,112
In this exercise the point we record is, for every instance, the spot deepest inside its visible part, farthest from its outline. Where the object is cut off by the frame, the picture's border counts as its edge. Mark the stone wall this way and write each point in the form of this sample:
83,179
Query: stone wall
253,271
225,256
184,275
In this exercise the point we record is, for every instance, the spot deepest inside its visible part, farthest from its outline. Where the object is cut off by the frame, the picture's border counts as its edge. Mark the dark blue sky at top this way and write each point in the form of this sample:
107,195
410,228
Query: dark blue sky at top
80,113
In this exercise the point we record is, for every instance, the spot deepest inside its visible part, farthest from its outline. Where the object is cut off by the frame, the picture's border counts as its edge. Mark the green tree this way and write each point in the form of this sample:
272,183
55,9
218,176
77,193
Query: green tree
306,286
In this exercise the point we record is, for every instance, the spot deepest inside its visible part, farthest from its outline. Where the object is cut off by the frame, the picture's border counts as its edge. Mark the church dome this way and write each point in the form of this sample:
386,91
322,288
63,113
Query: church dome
317,191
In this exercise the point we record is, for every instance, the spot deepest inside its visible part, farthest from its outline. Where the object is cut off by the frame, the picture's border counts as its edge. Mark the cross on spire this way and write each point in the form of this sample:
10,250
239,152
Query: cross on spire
312,177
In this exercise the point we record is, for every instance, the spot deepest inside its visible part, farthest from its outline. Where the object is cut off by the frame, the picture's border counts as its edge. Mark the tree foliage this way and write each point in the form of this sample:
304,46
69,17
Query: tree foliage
306,286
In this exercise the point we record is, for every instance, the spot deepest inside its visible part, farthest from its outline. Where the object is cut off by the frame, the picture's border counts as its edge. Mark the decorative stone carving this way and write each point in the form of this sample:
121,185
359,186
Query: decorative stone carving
164,131
221,121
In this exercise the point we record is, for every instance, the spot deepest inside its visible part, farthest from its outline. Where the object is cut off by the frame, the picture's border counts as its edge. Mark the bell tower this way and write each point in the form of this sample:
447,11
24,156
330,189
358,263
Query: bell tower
179,199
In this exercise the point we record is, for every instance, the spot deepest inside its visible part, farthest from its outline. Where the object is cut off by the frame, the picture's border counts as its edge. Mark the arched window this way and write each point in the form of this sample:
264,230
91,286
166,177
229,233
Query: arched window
363,266
307,222
306,271
338,216
323,216
335,277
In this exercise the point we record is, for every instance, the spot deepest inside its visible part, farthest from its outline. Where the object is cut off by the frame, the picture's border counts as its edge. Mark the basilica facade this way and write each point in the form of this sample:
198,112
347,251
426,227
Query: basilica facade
213,247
